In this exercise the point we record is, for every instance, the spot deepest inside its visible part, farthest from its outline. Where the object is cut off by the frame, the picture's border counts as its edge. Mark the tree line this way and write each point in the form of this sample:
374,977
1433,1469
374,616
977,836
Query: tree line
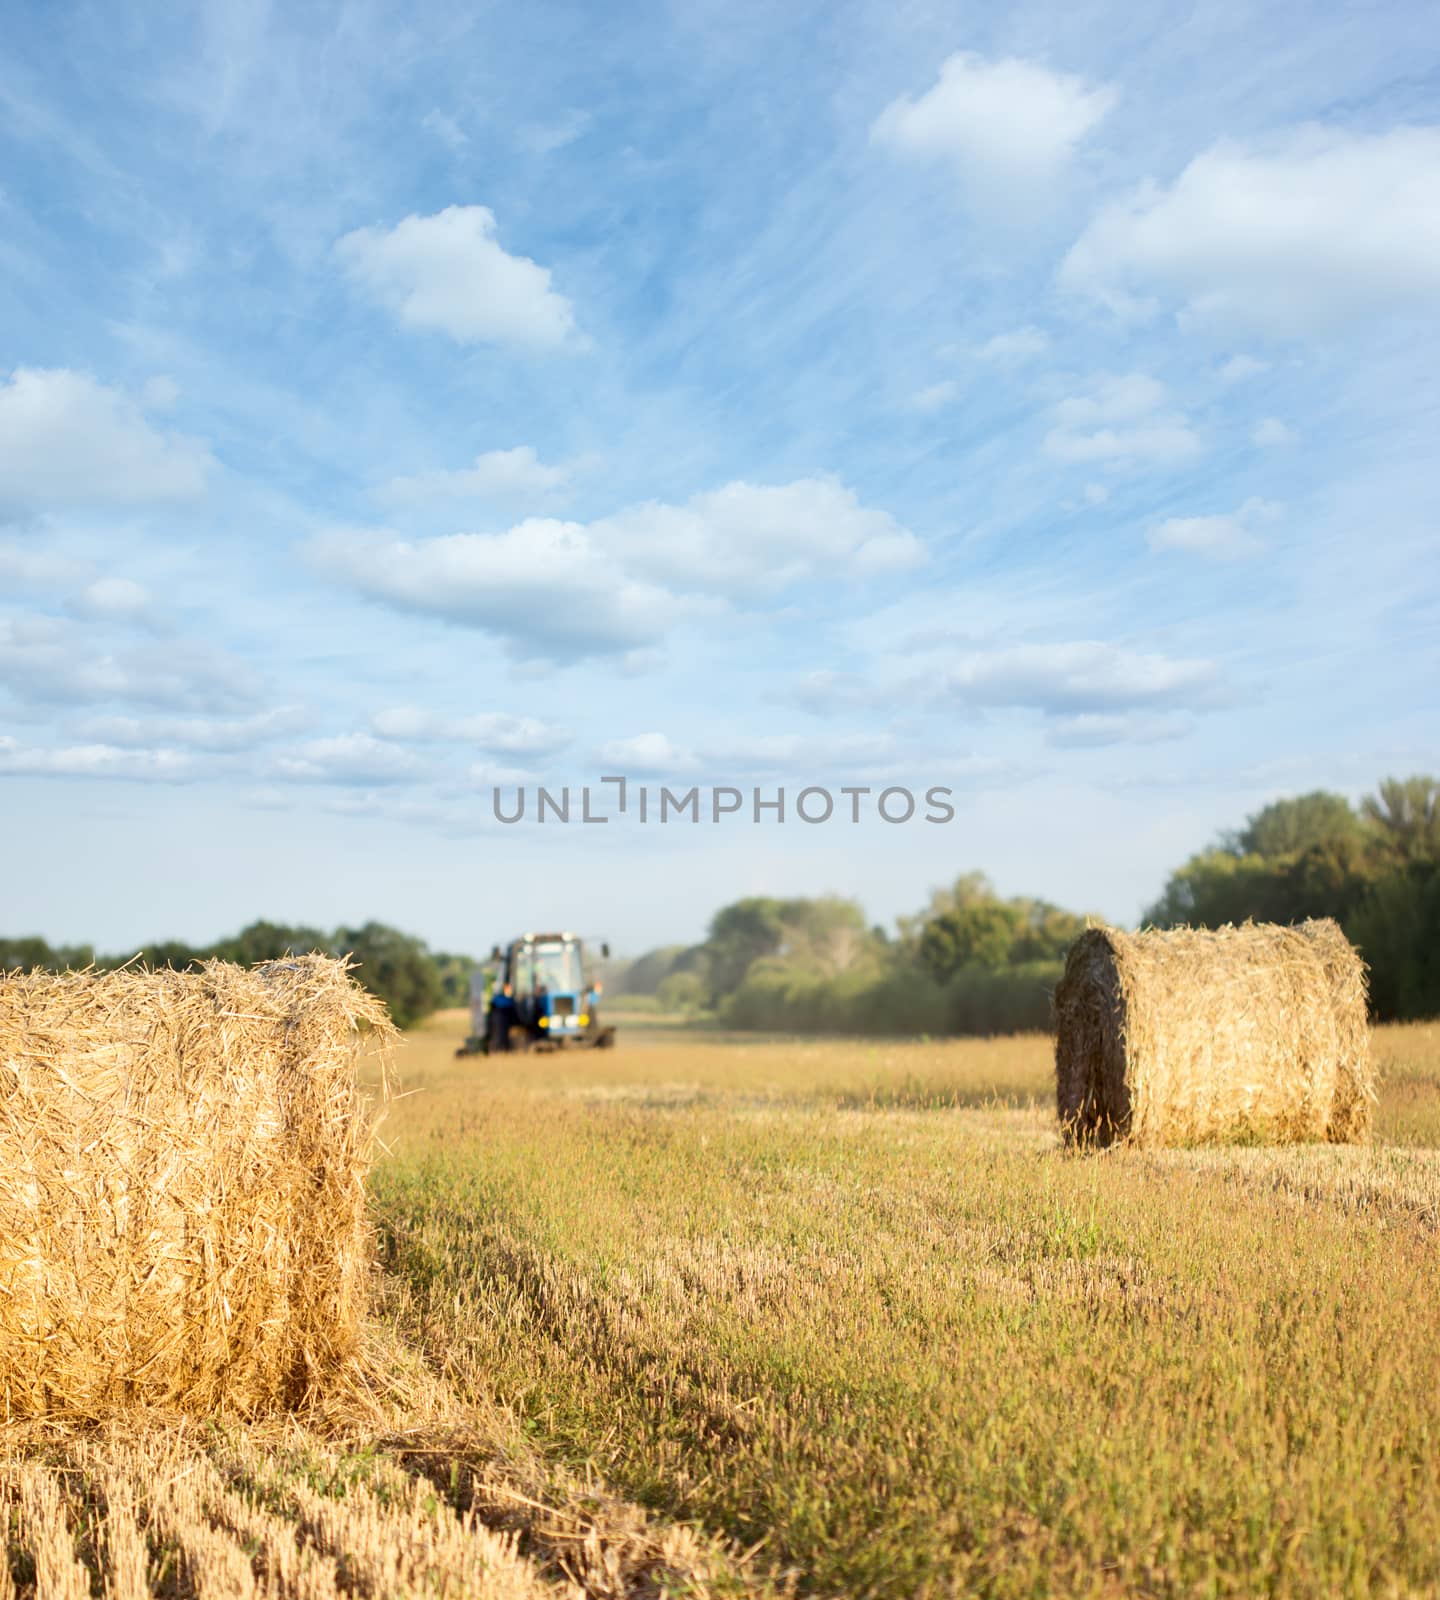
408,976
972,961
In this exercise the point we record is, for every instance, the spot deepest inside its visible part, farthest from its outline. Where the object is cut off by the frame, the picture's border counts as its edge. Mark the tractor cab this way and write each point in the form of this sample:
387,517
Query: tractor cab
537,992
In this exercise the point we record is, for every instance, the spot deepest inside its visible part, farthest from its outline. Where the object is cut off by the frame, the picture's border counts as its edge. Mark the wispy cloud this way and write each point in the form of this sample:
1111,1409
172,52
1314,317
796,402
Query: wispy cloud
544,138
46,660
120,598
934,397
1021,344
1271,431
23,566
353,759
1093,730
215,734
445,128
1124,420
504,475
96,761
1226,537
496,731
1240,367
1084,676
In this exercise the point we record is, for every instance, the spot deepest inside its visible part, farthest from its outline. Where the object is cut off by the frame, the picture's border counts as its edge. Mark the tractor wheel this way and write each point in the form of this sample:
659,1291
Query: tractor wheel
519,1037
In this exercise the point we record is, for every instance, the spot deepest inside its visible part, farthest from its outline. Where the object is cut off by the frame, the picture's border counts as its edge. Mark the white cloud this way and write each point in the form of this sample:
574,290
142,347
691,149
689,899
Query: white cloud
160,393
934,397
22,566
1086,675
546,137
1005,125
215,734
1228,537
1326,229
487,730
644,754
507,475
121,598
1013,347
448,273
445,128
637,570
490,774
95,761
1094,729
749,540
1238,368
506,585
1095,494
1113,399
48,660
69,442
801,753
641,662
1161,441
350,758
824,692
1271,431
1124,420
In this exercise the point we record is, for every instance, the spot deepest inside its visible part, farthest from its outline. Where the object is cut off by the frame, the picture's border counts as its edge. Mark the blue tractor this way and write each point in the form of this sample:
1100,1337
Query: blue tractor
536,994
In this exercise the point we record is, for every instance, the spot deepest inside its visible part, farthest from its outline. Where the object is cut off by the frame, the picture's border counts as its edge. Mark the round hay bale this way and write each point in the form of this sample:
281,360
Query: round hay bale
182,1201
1195,1035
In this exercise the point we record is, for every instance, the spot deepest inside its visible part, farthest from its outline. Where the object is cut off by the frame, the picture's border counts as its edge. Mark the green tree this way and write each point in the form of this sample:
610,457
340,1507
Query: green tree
1313,856
269,941
174,953
982,935
740,935
1216,886
1285,827
454,973
394,965
1406,815
827,935
645,973
25,955
969,889
1310,856
682,991
1397,930
1046,931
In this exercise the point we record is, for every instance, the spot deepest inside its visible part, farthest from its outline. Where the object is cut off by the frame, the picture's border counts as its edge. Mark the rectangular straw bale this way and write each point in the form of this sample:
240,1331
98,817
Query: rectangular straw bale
1193,1035
182,1201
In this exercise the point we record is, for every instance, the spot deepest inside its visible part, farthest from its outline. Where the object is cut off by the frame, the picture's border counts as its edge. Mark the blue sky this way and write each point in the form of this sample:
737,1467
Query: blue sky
393,402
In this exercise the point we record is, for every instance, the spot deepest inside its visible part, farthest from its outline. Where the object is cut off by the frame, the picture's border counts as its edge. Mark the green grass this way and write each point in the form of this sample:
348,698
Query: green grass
853,1303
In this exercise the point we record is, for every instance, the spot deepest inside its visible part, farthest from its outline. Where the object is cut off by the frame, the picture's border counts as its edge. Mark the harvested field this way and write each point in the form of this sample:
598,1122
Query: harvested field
726,1316
180,1511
